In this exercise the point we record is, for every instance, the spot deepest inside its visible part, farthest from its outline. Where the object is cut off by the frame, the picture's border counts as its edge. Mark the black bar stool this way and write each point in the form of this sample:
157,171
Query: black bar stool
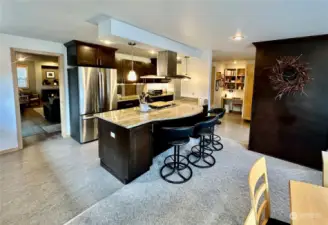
201,154
177,165
215,139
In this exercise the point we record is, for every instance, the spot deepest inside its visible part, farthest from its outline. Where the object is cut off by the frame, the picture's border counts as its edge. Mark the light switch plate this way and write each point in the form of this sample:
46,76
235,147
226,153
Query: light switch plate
112,134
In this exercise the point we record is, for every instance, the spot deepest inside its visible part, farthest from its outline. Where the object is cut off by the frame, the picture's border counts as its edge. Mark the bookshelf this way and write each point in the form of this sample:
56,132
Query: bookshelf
234,78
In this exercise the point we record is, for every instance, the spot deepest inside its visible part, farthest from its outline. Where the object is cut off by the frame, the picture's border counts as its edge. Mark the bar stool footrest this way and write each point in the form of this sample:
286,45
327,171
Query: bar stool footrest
174,167
201,159
181,164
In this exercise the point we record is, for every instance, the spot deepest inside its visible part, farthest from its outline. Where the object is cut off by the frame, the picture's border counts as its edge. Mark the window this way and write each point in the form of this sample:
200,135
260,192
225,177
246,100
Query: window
22,76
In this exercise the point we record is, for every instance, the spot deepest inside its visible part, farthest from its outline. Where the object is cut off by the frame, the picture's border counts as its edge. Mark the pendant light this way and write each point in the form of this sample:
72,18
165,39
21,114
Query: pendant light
186,76
132,76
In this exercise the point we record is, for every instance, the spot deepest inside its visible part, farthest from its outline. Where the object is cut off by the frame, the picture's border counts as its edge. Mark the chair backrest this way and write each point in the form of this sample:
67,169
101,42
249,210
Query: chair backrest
176,133
219,111
259,170
325,168
251,218
208,123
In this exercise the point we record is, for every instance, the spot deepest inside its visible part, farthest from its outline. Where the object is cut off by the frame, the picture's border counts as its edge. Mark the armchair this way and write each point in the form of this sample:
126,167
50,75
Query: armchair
51,110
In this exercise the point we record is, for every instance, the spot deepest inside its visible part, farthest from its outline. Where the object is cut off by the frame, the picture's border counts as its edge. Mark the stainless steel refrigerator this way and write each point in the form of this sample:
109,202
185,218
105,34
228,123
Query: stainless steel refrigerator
91,90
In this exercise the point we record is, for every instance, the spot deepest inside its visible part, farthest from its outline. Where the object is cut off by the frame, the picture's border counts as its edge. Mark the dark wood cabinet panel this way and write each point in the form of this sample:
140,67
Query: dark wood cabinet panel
129,154
106,57
124,66
153,66
87,54
162,98
127,104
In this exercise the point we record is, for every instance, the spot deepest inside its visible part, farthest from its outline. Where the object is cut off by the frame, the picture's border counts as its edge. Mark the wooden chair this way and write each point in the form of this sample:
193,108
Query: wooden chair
263,212
251,218
325,168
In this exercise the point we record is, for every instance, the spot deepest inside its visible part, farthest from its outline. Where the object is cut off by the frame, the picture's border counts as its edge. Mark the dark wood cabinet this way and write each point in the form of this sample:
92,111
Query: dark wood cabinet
106,57
152,69
127,104
129,154
124,66
166,98
87,54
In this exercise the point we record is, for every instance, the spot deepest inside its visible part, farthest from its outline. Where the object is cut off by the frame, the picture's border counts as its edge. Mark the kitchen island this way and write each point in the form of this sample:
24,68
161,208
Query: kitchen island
129,139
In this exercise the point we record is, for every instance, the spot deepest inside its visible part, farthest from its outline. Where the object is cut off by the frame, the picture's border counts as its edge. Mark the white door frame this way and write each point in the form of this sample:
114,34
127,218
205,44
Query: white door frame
16,92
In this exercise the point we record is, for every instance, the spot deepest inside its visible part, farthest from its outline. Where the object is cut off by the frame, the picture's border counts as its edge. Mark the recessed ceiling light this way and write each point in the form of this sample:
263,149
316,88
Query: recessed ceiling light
107,42
237,37
152,52
21,59
235,62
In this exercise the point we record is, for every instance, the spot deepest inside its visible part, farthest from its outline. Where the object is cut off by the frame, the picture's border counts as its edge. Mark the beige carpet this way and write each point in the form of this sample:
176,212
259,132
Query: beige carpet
218,195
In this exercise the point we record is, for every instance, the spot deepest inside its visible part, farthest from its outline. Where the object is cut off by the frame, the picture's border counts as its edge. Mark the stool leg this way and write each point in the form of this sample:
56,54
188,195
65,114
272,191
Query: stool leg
175,157
178,152
199,158
176,167
216,144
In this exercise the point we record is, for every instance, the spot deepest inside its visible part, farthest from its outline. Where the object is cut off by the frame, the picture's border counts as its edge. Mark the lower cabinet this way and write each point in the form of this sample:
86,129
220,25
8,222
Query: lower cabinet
127,104
166,98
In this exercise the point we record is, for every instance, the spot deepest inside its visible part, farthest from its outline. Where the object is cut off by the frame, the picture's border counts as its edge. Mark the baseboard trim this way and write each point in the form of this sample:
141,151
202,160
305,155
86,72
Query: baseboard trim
9,150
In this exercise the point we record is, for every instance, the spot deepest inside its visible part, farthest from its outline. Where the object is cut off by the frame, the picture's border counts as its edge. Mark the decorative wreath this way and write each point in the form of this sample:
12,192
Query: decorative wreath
289,76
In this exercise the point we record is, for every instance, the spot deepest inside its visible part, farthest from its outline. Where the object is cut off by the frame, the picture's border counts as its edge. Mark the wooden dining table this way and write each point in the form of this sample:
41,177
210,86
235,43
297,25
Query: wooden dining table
308,203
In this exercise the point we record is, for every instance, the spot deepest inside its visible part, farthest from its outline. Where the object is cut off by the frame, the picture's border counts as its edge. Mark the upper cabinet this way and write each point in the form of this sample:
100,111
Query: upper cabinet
106,57
86,54
141,68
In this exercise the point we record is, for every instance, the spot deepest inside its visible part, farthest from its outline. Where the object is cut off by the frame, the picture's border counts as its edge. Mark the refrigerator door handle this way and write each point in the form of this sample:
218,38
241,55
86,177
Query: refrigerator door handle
101,91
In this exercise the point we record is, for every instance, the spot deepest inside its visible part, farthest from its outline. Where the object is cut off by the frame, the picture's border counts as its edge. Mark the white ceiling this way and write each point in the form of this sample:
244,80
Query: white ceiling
205,24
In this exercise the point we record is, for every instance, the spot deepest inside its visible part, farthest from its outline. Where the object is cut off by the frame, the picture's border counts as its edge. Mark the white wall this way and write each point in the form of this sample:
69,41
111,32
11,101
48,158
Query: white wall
8,128
199,69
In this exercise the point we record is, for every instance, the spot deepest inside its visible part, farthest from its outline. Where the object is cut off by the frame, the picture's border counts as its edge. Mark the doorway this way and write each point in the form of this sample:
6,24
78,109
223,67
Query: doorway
234,92
38,88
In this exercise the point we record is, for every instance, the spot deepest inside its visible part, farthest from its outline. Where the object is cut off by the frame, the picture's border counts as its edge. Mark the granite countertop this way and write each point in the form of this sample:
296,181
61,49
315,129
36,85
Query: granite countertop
132,117
136,97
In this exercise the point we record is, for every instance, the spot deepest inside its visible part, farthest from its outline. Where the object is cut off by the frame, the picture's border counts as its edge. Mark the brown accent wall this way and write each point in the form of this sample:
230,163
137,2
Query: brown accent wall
294,128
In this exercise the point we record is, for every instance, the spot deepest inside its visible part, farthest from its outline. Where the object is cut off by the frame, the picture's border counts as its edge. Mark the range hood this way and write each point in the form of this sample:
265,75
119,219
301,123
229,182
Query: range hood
166,67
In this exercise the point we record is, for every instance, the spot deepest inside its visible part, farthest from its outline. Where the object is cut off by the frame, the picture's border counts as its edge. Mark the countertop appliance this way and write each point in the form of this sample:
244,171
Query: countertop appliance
155,92
91,90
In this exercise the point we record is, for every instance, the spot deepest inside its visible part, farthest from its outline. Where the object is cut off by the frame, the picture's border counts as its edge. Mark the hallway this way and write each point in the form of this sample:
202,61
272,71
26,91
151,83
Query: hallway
235,128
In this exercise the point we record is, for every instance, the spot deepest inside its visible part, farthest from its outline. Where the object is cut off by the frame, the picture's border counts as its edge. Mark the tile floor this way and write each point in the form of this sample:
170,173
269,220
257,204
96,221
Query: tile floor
235,128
